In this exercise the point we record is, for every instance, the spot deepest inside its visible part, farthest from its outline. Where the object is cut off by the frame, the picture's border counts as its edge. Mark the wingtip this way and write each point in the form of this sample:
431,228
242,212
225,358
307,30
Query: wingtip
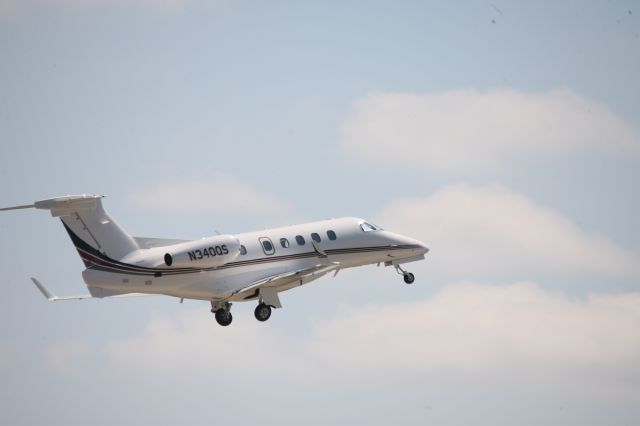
45,291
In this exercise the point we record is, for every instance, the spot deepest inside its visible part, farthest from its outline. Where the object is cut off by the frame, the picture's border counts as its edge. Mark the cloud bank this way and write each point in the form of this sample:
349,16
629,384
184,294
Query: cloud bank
469,130
64,356
490,231
511,335
222,194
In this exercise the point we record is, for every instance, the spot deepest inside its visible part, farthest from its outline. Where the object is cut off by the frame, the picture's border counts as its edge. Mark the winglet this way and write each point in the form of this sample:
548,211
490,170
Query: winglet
49,296
52,297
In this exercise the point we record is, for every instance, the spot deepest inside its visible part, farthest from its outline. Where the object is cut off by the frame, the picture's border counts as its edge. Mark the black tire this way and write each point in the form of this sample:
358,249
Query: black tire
409,278
262,312
223,317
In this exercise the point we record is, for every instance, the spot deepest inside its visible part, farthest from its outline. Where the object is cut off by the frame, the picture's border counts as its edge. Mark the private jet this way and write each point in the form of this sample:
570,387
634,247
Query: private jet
221,269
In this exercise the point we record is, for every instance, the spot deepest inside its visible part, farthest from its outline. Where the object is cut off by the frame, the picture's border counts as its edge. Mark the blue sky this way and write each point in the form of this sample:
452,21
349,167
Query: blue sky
505,135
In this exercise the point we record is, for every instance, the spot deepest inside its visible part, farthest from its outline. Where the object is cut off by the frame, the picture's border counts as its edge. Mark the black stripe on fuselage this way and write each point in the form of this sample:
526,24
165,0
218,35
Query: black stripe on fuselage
103,266
94,259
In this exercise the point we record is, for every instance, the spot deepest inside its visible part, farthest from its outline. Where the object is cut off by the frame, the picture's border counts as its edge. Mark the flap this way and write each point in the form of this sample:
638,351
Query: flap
306,274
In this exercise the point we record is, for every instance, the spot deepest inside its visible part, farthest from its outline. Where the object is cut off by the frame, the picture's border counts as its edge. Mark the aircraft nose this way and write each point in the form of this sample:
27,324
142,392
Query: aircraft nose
416,245
423,248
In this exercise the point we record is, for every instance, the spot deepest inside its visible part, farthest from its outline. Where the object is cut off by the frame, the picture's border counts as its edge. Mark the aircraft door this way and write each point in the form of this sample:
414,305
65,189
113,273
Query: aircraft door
267,246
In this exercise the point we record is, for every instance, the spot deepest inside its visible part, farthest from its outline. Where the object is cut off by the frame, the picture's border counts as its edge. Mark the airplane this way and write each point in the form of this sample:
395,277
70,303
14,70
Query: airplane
221,269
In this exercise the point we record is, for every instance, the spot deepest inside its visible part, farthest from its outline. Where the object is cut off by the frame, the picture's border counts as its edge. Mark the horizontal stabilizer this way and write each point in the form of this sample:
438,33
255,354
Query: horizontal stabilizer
25,206
52,297
61,205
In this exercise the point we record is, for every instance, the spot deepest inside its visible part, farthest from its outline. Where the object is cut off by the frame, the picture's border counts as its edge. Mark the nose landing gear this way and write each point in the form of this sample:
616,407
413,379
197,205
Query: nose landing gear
409,278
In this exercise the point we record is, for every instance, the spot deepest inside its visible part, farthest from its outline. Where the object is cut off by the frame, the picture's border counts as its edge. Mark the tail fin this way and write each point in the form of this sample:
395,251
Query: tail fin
92,230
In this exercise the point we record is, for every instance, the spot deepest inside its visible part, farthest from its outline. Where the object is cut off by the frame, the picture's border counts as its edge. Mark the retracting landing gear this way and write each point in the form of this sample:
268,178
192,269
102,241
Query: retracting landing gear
222,311
409,278
268,299
262,312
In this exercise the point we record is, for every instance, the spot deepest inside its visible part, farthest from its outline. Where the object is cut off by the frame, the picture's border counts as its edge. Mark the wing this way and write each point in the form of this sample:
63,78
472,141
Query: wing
268,287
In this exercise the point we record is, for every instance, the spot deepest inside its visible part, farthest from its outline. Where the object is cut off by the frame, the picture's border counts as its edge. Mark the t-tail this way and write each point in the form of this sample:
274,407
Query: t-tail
96,236
93,232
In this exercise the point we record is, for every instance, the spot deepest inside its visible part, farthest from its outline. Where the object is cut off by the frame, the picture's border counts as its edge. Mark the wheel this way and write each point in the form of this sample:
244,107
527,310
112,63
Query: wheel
223,317
262,312
409,278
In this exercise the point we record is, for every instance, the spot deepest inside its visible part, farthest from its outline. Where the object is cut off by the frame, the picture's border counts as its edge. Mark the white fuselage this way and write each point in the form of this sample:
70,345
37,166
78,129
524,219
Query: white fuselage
344,241
220,268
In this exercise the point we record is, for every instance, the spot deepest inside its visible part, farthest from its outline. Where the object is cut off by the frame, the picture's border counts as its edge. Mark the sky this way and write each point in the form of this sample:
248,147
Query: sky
505,135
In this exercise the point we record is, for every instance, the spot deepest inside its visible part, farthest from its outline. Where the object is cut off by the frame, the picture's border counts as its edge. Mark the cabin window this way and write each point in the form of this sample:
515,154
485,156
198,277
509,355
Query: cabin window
284,243
300,240
367,227
267,246
315,237
332,235
243,250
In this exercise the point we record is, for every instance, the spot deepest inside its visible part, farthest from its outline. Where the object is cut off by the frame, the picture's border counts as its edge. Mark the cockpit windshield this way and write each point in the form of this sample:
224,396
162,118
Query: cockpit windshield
369,227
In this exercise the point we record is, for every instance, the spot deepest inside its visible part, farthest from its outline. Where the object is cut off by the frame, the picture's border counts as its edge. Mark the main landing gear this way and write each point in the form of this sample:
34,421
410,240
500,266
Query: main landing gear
222,311
262,312
409,278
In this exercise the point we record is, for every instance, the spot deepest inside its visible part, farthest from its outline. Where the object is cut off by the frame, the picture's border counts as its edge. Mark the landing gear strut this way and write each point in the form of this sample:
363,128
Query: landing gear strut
262,312
409,278
222,311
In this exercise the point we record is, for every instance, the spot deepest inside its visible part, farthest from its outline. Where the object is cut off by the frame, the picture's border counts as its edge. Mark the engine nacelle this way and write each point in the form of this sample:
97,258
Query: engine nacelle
205,253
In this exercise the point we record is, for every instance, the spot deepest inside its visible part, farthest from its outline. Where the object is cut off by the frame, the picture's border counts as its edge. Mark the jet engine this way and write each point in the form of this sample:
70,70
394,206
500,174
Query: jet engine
205,253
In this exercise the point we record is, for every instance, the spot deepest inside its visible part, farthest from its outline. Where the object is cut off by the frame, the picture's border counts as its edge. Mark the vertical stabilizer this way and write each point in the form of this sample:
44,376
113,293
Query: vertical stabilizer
89,225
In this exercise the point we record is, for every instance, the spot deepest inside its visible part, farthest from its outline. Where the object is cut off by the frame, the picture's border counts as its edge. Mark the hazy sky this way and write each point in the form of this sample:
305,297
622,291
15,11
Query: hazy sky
505,135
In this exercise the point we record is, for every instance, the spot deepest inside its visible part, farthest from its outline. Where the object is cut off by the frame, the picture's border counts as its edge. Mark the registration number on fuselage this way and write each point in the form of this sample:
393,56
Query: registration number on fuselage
212,251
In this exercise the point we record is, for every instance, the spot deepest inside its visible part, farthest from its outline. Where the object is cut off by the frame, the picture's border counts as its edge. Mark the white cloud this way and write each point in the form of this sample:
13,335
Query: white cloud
491,231
180,340
221,194
477,328
66,355
470,130
518,335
